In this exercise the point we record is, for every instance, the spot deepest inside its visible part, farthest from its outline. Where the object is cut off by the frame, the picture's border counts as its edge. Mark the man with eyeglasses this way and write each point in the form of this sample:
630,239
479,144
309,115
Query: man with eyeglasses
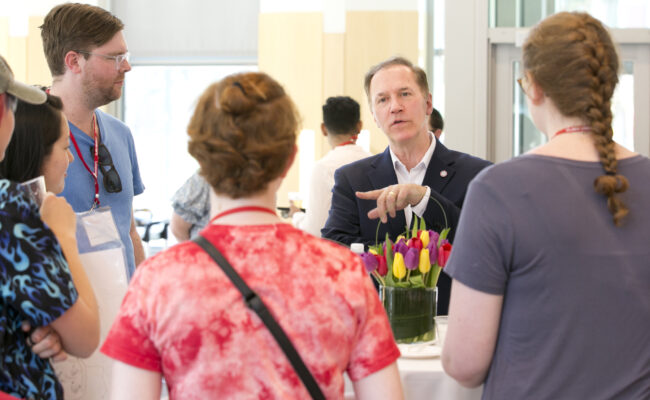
88,58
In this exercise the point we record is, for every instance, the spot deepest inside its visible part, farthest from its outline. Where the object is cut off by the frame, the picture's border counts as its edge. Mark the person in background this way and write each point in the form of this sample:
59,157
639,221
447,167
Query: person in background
416,173
201,336
87,55
551,263
436,123
341,126
191,204
43,282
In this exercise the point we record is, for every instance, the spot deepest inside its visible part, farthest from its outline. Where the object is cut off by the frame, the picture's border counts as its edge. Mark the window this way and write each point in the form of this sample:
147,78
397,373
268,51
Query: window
613,13
158,103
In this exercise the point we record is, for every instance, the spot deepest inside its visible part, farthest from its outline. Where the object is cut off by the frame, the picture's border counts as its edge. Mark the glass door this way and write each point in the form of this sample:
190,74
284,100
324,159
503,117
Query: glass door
511,129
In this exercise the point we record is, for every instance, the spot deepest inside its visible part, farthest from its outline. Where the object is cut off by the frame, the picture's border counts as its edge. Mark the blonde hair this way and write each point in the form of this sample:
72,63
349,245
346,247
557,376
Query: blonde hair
243,133
572,58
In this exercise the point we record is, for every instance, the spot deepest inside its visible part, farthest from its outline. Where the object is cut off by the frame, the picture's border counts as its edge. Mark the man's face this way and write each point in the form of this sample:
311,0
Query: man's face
7,122
102,79
399,107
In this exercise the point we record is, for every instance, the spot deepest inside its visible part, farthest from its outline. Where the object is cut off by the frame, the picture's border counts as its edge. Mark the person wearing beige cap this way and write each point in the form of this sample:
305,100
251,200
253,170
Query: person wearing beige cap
43,283
10,90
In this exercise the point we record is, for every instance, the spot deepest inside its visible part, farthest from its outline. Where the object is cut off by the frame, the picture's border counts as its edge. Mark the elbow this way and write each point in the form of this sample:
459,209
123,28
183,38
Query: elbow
88,348
90,341
180,234
467,374
179,228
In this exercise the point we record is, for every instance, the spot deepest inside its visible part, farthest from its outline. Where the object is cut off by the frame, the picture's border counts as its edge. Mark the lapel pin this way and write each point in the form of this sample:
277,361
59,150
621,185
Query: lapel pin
443,173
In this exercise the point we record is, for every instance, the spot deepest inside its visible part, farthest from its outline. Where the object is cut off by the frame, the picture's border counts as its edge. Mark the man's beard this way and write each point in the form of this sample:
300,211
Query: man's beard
99,96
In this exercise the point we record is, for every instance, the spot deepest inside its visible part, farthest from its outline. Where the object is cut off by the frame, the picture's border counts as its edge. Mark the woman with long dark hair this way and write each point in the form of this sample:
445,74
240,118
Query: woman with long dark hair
42,282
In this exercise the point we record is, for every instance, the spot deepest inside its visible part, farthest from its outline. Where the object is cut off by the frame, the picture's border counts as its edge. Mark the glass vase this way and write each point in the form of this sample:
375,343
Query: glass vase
411,312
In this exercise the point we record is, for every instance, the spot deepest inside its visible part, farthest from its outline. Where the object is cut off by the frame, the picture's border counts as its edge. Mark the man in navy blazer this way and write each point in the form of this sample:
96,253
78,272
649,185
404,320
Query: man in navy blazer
415,174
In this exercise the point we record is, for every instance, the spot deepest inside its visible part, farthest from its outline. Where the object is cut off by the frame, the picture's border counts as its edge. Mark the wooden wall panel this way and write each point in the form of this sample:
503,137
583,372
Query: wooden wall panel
25,54
38,72
290,49
4,36
373,36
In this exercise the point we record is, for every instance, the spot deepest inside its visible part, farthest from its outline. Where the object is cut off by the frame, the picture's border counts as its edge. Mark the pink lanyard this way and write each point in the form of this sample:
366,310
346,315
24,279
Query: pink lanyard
94,175
572,129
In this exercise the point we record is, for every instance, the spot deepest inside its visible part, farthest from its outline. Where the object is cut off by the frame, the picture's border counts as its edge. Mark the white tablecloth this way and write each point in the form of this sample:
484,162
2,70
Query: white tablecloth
424,379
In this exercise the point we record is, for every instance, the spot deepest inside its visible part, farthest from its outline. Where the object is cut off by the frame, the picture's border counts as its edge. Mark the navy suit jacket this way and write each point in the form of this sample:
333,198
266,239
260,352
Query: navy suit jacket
348,222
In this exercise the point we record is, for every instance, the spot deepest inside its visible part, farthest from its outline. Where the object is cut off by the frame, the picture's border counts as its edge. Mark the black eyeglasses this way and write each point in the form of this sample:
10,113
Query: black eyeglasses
12,102
112,181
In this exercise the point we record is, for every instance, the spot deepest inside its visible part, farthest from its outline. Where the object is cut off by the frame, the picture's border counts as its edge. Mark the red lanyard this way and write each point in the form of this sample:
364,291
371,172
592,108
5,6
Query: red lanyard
243,209
353,140
94,175
572,129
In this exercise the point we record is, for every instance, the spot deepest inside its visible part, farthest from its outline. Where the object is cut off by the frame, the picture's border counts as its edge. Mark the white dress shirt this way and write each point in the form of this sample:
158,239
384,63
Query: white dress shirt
319,199
415,175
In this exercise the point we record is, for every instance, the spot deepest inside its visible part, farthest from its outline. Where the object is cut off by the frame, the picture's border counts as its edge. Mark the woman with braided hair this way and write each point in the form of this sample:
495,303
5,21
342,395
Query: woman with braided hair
551,264
183,319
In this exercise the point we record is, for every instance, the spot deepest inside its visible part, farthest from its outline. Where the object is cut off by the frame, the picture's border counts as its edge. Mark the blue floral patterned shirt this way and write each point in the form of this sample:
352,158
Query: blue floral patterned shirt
35,286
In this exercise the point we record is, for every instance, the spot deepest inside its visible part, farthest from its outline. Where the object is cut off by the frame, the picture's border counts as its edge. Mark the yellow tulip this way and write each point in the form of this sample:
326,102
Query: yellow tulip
424,237
373,251
425,263
399,268
400,237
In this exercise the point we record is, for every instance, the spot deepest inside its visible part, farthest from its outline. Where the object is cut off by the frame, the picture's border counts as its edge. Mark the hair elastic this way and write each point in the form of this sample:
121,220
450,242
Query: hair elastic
610,173
239,85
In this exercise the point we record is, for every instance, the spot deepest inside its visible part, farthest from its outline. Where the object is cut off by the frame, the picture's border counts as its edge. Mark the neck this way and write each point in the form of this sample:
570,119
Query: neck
75,108
265,199
551,120
411,153
337,140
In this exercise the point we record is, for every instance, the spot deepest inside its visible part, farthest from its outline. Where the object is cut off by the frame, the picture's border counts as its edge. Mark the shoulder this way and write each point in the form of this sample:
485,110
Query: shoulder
502,175
14,202
117,128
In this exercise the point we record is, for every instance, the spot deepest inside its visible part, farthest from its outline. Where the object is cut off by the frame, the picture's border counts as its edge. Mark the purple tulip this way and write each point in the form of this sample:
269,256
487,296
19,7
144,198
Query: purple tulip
370,261
401,247
412,259
433,252
433,237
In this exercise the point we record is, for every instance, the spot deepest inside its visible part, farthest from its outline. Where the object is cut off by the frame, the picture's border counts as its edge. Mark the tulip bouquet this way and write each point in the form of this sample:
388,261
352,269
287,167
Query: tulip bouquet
414,260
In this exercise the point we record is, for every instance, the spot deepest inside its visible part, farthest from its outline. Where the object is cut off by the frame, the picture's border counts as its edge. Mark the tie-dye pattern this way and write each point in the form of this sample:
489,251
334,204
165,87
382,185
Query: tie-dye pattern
182,316
35,286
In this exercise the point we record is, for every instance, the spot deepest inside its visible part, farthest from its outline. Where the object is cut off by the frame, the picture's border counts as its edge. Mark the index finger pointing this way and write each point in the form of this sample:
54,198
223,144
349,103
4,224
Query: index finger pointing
370,195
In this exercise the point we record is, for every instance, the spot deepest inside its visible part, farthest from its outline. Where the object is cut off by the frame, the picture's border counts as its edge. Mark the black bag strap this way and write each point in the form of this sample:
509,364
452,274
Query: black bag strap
255,303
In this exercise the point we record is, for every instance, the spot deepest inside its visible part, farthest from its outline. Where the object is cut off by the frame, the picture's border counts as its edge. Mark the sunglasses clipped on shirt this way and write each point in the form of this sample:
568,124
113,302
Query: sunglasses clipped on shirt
112,181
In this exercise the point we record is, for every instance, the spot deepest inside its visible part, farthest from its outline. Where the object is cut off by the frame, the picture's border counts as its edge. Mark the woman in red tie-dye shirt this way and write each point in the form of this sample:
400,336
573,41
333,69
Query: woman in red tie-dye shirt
184,320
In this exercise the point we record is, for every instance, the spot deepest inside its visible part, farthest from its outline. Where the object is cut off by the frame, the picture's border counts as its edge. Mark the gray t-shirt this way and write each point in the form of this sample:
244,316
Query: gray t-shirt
575,322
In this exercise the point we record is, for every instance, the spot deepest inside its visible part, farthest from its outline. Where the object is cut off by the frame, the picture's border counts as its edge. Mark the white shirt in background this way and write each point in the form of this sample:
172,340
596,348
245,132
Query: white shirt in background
319,199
